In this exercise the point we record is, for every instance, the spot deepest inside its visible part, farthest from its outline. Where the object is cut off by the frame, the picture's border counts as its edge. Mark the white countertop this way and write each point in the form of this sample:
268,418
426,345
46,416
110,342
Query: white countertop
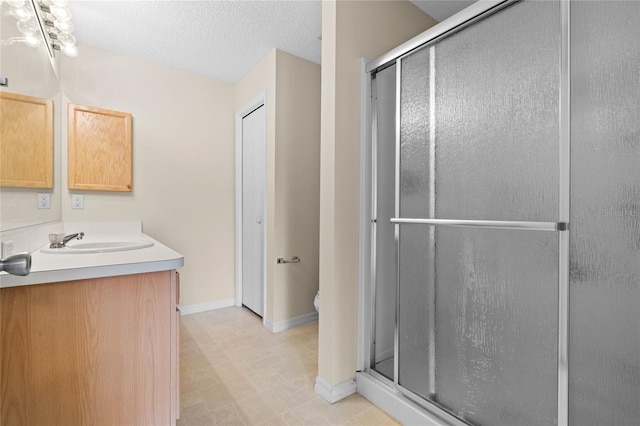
55,267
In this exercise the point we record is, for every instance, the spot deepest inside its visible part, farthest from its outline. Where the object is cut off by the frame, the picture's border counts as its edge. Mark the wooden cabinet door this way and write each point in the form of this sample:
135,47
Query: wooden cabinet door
26,141
100,150
88,352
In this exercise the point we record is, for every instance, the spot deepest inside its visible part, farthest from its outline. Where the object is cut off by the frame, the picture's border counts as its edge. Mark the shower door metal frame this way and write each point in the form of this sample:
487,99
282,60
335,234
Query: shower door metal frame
458,22
564,212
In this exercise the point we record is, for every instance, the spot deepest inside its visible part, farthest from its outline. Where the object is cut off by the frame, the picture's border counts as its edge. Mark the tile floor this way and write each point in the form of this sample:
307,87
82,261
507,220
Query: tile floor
235,372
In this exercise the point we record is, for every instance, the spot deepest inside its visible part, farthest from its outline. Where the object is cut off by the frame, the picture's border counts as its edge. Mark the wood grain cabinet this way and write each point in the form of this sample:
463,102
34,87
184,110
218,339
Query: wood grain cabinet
100,150
100,351
26,141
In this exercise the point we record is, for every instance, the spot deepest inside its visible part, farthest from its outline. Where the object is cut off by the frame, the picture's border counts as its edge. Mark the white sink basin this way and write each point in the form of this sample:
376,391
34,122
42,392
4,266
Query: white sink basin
98,247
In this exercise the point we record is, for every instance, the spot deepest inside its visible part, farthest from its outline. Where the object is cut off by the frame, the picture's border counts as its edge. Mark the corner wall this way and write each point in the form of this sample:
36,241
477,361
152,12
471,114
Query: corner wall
183,162
350,30
184,168
297,183
292,87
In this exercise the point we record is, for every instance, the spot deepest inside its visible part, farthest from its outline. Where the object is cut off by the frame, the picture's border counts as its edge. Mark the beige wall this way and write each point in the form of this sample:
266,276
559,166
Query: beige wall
350,30
292,88
183,162
297,183
184,167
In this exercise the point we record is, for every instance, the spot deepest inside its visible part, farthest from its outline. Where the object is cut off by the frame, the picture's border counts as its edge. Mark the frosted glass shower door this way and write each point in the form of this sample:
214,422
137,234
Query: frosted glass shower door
604,373
479,141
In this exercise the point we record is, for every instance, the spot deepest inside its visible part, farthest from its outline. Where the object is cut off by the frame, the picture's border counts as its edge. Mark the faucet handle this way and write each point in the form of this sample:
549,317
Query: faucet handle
56,238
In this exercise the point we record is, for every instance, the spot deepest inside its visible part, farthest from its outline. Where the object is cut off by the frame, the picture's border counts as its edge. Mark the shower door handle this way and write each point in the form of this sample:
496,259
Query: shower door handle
495,224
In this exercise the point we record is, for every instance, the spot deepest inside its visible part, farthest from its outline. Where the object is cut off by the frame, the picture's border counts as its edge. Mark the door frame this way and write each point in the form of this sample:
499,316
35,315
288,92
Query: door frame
258,101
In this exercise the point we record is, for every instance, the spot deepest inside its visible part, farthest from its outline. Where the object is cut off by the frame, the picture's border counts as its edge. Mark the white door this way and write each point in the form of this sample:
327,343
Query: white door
253,201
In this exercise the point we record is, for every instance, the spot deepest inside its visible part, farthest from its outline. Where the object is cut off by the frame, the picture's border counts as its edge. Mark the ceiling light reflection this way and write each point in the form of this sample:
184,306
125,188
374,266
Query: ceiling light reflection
51,15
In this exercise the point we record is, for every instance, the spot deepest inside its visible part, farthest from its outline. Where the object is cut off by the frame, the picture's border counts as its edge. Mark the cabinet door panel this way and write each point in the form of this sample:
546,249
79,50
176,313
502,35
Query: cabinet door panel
87,352
100,153
26,141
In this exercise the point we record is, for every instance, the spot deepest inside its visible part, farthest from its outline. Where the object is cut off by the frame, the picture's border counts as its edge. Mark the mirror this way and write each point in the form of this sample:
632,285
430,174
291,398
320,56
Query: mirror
31,72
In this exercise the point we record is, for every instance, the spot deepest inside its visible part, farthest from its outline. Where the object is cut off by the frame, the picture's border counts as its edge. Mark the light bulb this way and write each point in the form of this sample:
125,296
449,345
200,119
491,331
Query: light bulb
16,3
66,39
28,27
32,40
59,2
22,13
61,13
70,50
64,26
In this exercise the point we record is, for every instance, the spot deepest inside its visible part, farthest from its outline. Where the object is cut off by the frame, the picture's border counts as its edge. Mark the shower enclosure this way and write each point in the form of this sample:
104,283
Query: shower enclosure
502,274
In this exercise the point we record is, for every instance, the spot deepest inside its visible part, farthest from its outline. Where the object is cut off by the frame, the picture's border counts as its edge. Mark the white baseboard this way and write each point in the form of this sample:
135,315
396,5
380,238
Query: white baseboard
386,354
202,307
276,327
334,393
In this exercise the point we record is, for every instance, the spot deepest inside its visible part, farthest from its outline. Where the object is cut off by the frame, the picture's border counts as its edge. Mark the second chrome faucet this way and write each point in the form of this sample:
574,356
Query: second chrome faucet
60,240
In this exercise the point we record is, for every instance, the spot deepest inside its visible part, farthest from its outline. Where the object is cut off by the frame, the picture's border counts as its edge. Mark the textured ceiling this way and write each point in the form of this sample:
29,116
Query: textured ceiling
220,39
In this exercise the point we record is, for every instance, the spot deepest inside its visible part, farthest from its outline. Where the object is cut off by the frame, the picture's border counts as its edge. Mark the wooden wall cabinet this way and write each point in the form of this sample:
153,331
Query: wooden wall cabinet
100,152
26,141
100,351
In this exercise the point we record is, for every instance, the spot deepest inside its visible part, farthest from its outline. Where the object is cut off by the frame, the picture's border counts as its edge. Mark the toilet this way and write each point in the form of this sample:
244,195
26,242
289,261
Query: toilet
316,302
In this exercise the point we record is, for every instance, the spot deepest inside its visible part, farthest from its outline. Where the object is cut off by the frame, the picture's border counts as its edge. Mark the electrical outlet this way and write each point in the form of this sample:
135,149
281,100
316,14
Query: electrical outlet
7,249
44,201
77,201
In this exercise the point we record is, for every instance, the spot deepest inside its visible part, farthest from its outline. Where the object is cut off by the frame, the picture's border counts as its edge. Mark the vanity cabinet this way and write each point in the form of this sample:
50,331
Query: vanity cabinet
101,351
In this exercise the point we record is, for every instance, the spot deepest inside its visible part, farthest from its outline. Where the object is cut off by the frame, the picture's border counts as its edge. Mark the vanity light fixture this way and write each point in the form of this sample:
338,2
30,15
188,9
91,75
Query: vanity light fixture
50,18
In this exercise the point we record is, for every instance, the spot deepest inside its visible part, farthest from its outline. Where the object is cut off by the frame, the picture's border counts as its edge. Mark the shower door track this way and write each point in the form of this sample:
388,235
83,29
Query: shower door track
457,22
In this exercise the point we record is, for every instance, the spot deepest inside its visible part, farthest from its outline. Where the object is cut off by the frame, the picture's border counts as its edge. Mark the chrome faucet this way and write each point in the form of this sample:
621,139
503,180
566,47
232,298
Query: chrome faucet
60,240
